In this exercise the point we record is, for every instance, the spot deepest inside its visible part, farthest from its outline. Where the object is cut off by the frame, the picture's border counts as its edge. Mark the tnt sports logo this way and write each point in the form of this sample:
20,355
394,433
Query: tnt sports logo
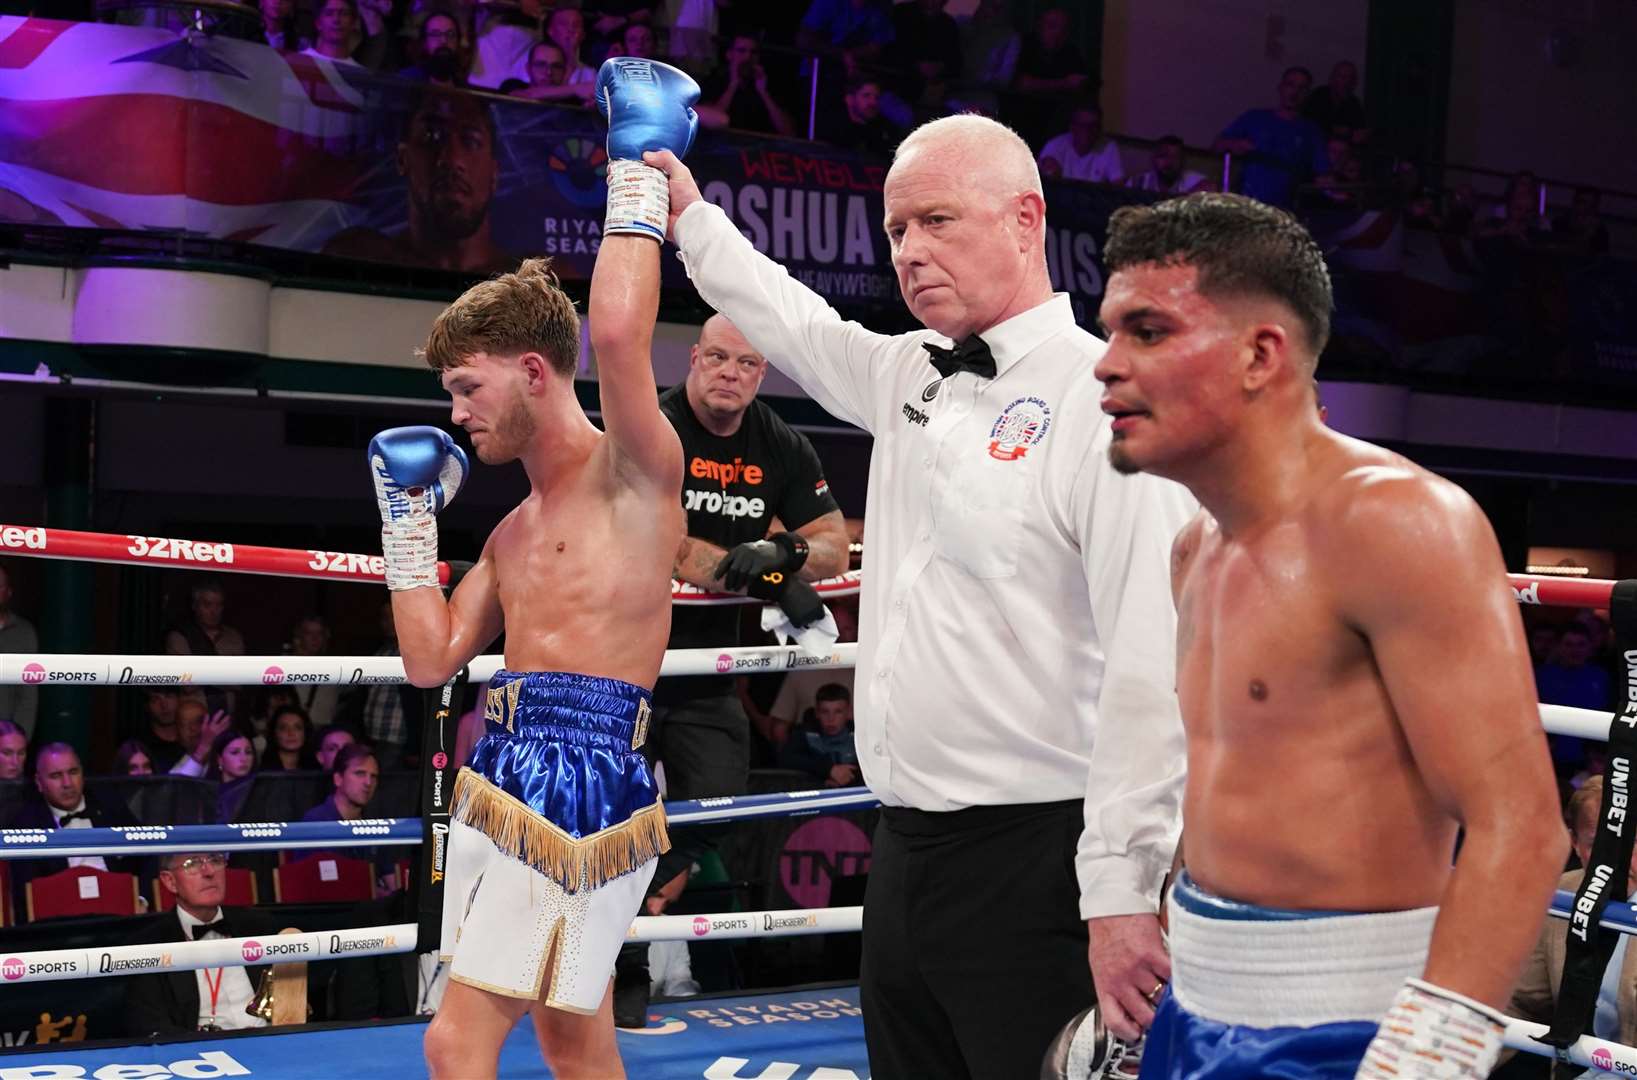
33,673
1601,1058
272,676
1021,425
13,969
724,664
251,951
440,760
701,927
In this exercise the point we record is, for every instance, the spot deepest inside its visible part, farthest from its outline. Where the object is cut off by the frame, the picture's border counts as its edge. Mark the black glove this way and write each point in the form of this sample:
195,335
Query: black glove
784,552
800,601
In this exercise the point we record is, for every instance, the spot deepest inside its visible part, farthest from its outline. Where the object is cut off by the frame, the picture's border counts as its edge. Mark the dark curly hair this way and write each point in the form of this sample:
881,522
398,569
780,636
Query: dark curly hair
1237,244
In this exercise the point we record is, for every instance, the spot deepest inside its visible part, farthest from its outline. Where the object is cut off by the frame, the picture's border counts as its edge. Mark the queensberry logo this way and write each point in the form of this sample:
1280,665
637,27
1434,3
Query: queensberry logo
338,944
107,965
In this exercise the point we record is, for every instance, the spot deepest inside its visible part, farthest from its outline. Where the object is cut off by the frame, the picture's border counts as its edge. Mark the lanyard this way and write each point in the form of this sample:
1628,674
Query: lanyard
215,987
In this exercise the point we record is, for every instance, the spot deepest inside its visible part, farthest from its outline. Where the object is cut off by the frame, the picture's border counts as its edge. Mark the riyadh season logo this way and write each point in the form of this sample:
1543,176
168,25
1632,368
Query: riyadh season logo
34,673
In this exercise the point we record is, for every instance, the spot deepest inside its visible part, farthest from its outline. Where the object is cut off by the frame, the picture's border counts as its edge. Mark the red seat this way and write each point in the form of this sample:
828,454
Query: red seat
323,879
241,891
82,890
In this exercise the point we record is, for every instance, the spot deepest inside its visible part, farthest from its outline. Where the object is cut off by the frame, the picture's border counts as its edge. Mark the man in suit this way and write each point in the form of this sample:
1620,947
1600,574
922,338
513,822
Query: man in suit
65,804
209,999
1536,993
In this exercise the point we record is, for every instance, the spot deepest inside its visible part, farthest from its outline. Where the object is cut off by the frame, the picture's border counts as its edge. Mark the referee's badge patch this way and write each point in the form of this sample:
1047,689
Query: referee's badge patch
1021,425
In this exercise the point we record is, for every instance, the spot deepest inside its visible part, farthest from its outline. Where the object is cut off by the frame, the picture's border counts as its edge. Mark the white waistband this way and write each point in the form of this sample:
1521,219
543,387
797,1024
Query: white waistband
1297,972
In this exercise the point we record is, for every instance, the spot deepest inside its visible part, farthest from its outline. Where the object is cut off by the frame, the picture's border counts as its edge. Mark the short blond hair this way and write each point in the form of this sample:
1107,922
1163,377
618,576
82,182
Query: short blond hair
510,314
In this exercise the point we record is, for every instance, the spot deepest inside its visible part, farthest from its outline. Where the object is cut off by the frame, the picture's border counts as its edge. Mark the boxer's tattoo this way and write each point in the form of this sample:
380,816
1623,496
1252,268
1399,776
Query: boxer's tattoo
696,562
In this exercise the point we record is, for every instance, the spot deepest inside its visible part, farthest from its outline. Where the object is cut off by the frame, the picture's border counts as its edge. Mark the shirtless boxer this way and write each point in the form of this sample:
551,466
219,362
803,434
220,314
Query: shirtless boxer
1353,678
556,821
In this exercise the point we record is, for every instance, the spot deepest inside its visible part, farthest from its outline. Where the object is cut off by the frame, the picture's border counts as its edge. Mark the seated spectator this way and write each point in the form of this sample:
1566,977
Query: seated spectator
337,24
860,126
1569,679
500,49
1582,229
311,638
546,71
825,749
18,704
1048,62
636,40
1165,173
206,634
1517,216
132,759
278,19
13,750
269,700
1341,185
330,744
612,20
856,30
290,741
1535,996
159,733
208,999
233,767
798,693
440,53
1281,149
739,89
926,44
1335,108
566,29
64,804
991,45
196,731
1082,153
354,775
1542,644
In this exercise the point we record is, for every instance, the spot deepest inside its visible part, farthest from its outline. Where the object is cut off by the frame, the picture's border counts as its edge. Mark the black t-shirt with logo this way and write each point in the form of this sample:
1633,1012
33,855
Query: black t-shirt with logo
732,488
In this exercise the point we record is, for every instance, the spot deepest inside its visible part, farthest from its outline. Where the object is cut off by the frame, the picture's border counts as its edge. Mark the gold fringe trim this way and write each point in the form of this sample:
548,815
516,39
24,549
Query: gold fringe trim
524,834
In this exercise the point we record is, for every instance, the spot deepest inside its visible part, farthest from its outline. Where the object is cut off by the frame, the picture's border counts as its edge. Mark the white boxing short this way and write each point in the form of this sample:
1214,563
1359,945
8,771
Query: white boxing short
502,918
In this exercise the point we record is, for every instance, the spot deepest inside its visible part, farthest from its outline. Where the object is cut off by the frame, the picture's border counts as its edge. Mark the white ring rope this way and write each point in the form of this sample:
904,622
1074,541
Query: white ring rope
92,963
113,669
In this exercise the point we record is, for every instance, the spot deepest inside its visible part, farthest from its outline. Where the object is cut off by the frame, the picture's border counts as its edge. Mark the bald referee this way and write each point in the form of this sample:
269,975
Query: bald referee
1015,706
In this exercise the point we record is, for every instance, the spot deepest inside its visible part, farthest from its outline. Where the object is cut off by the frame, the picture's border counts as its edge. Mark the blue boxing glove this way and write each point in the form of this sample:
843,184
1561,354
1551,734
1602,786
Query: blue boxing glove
417,472
648,107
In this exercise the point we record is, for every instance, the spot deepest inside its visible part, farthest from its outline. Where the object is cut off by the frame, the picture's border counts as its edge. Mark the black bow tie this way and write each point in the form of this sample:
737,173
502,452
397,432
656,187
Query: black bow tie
218,927
62,822
971,355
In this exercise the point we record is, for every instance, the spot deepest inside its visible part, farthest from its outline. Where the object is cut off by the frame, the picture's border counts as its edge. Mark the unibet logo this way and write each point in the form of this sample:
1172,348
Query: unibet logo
33,673
251,951
272,676
13,968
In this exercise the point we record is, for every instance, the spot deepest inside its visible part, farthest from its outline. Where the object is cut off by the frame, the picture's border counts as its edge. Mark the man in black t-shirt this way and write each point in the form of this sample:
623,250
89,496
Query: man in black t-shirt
761,521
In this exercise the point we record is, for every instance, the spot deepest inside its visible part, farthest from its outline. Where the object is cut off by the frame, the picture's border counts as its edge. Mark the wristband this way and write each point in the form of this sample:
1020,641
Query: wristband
639,200
794,547
410,548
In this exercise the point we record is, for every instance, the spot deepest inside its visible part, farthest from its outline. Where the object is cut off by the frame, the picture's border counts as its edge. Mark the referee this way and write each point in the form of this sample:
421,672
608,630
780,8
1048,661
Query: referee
761,521
1015,701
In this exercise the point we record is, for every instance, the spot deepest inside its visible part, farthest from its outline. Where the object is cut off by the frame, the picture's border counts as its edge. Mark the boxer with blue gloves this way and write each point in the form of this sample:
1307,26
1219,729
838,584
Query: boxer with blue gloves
556,821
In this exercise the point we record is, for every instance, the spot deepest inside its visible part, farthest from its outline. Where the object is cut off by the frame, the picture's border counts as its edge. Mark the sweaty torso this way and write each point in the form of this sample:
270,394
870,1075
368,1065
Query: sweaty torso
1301,792
584,574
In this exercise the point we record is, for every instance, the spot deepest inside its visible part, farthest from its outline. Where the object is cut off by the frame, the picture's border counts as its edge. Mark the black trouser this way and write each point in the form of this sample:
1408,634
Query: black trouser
704,745
974,950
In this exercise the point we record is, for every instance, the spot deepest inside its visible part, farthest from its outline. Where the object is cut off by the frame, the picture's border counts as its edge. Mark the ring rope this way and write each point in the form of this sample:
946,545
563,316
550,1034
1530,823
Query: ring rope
52,965
39,541
150,670
379,832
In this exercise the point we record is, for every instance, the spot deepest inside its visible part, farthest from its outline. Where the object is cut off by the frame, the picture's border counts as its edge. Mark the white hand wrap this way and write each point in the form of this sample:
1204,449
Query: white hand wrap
410,547
1434,1034
639,200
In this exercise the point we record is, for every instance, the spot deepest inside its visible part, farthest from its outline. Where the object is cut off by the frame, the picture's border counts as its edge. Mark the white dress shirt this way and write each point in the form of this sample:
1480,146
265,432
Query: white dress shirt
1101,164
95,861
233,994
1017,637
